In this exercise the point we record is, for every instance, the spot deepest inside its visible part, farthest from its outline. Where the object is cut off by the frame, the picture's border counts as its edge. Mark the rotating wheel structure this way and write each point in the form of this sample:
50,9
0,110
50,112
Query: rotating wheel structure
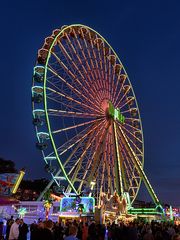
86,115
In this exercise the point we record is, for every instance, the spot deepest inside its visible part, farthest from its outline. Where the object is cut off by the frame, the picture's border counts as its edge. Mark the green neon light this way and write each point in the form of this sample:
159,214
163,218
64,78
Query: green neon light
144,211
38,112
38,66
115,113
35,88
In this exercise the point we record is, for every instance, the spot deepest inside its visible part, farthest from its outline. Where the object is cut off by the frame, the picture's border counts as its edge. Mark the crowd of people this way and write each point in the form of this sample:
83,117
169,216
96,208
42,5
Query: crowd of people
73,230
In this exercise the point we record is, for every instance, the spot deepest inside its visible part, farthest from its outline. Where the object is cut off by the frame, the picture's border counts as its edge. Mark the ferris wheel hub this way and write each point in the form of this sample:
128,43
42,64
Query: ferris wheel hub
115,113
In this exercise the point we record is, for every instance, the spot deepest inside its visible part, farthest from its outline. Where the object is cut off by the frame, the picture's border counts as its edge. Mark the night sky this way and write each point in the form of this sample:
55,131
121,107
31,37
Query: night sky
145,35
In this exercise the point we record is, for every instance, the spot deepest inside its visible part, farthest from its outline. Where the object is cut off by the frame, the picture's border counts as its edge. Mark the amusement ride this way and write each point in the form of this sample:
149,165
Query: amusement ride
87,120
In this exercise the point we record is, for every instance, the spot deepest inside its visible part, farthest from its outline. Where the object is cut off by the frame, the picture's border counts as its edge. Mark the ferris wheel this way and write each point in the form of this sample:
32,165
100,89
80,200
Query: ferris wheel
86,115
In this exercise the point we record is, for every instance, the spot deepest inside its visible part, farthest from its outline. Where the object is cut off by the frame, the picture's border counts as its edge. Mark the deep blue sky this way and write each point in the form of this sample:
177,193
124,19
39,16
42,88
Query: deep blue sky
146,36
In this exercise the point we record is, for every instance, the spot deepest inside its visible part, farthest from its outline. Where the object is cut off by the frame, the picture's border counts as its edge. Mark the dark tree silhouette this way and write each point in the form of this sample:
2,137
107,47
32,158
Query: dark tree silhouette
36,184
7,166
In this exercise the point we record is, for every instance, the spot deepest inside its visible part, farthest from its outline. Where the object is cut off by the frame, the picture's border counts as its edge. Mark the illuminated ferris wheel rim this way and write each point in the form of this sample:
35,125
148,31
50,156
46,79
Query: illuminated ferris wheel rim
45,97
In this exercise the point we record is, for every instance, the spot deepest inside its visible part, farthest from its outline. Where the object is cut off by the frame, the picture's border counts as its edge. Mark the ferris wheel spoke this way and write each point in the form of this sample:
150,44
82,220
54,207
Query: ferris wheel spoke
125,92
89,162
129,110
108,162
78,165
72,59
90,62
112,154
69,108
122,80
107,80
122,167
116,80
89,69
110,78
112,98
133,183
127,101
71,74
118,83
58,93
93,164
133,135
118,162
132,143
102,179
74,139
92,66
129,165
102,70
74,126
94,55
129,178
90,57
99,48
126,144
78,146
79,137
100,176
66,106
109,168
74,151
139,167
107,74
99,72
63,113
131,126
129,183
76,91
97,152
129,168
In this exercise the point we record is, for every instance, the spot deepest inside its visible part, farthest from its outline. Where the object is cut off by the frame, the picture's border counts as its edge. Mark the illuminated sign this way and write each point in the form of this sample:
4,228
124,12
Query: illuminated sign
70,205
7,182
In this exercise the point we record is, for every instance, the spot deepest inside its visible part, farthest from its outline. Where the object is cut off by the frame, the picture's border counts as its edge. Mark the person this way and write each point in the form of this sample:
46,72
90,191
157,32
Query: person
72,233
1,230
14,230
85,232
33,230
23,230
148,234
92,231
47,231
9,224
36,231
176,237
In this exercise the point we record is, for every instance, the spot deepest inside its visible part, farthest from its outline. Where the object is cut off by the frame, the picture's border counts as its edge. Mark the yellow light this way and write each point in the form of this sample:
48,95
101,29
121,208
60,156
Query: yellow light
93,183
18,181
70,216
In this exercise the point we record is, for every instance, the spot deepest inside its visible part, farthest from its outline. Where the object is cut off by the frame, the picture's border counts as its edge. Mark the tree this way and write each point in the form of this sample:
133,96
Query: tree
7,166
